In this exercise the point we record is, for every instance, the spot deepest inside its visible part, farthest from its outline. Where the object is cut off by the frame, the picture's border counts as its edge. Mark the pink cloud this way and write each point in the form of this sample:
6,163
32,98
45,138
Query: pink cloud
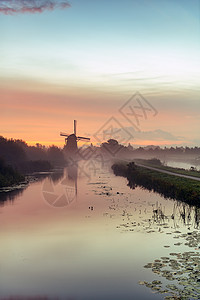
9,7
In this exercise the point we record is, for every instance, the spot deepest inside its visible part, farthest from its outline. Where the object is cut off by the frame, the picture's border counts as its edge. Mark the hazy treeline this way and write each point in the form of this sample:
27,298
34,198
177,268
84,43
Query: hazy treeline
17,158
171,151
186,154
15,151
29,158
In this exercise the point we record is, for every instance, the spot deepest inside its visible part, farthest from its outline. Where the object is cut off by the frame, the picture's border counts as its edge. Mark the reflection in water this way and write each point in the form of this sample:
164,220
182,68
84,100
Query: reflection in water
37,177
182,215
72,172
158,216
197,217
62,191
92,248
10,196
188,215
56,176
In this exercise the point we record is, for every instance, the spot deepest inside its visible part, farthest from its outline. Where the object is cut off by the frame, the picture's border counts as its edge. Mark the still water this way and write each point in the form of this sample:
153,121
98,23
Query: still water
71,235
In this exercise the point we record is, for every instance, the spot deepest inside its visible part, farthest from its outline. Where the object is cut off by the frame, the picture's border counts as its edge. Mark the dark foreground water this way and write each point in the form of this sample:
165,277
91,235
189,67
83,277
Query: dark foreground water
79,236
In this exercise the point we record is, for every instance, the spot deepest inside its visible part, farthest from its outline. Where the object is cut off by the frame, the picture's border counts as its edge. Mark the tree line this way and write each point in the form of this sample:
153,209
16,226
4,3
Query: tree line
17,159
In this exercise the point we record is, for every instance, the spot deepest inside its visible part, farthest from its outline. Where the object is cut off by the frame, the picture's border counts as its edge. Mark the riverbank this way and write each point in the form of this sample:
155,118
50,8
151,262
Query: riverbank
14,178
170,186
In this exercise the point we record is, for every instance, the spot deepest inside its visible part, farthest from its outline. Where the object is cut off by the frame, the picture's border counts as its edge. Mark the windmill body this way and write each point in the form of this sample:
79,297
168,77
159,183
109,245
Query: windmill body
71,143
71,140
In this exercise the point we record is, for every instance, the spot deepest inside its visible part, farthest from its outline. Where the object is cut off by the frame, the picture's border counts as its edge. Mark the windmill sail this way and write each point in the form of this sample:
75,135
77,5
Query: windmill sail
83,138
75,124
64,134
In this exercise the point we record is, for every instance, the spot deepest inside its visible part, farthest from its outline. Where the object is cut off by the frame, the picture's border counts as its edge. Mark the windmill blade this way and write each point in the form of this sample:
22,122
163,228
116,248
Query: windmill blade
75,124
64,134
83,138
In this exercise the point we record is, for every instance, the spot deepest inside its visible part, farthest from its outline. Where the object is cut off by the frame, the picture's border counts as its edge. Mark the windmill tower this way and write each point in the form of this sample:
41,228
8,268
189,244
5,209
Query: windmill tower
72,139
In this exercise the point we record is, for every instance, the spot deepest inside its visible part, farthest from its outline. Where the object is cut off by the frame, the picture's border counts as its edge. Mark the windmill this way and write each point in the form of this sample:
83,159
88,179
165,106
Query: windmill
71,140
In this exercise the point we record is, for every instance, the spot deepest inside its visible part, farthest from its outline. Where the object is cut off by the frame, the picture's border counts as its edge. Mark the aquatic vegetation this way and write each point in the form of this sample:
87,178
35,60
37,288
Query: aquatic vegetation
175,275
182,268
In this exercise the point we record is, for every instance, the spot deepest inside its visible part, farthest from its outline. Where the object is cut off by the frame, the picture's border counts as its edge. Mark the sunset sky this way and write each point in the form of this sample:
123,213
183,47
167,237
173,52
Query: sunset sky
84,59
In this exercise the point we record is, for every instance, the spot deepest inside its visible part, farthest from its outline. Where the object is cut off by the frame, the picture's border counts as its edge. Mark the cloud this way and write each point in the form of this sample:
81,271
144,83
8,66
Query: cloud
156,135
9,7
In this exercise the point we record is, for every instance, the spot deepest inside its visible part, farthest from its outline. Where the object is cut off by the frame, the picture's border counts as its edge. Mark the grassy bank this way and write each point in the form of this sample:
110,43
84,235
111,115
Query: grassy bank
171,186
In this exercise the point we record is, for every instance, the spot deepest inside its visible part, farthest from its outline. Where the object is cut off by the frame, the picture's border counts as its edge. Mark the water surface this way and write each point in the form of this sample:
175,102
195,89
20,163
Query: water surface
73,236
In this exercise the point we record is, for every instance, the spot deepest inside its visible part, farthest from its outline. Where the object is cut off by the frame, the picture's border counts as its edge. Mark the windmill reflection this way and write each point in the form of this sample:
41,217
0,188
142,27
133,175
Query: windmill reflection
72,175
60,192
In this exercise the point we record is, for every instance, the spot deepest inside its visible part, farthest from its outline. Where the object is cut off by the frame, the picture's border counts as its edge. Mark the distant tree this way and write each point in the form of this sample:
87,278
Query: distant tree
11,150
112,142
55,154
155,161
36,153
130,148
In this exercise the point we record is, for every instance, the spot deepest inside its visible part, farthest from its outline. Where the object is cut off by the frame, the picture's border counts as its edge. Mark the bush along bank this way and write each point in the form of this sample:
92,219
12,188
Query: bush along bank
169,186
9,176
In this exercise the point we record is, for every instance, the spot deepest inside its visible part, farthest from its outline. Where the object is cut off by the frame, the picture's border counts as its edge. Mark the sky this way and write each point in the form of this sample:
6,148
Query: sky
101,63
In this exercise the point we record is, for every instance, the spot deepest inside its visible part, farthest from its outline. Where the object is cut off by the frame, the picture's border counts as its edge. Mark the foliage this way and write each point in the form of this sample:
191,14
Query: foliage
171,186
15,152
35,166
12,151
154,161
9,176
55,154
25,159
